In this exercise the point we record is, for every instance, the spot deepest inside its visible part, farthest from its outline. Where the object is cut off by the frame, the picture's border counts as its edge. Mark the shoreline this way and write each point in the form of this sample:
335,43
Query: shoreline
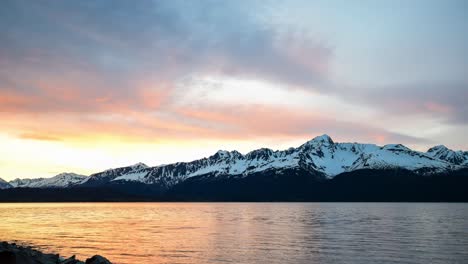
12,253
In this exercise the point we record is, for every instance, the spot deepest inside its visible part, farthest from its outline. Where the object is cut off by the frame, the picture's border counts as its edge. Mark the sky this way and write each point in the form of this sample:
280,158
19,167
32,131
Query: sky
91,85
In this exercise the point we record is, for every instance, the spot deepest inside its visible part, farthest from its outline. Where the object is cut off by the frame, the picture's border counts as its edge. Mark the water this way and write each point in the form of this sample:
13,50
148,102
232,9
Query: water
149,233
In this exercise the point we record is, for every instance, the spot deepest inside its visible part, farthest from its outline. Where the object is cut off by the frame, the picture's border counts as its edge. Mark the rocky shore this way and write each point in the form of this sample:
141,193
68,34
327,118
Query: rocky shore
15,254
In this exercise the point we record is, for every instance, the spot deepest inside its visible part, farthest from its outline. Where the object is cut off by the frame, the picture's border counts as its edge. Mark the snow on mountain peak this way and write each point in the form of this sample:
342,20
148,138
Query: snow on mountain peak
438,148
257,154
221,154
323,139
396,147
4,184
24,182
317,142
224,154
61,180
66,174
139,165
134,167
443,153
320,155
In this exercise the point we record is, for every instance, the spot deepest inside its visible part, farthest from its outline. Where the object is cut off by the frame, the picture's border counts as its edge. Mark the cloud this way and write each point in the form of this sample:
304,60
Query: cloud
445,101
38,137
118,68
72,54
250,121
233,122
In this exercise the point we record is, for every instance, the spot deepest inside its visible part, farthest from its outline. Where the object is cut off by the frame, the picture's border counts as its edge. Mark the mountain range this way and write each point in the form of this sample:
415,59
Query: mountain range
230,175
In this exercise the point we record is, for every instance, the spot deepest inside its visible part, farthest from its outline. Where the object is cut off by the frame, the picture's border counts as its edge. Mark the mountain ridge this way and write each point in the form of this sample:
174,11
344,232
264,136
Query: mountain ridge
61,180
4,184
318,156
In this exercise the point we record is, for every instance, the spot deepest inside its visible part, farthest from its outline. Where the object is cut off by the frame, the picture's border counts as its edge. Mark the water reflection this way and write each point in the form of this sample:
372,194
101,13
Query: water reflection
243,232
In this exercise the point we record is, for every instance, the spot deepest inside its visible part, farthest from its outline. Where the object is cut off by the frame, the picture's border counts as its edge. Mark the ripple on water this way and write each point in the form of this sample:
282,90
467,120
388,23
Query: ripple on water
244,232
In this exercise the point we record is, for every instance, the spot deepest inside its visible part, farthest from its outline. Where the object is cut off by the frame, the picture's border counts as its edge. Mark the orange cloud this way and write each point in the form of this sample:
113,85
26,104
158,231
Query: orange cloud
83,93
10,101
151,115
39,137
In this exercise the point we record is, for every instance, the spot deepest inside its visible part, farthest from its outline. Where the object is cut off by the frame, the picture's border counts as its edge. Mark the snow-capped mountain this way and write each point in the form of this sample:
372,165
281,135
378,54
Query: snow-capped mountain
443,153
111,174
318,170
62,180
320,155
4,184
24,182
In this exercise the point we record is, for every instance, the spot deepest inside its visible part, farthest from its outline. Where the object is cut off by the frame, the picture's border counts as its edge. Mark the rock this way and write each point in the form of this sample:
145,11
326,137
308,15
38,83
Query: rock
13,254
4,245
24,256
71,260
98,260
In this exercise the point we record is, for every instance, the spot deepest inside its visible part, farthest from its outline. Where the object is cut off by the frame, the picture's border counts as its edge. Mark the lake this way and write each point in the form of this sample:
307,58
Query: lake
150,233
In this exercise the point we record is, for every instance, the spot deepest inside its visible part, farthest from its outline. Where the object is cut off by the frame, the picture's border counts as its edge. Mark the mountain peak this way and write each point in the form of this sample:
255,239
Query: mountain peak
262,153
323,138
61,180
4,184
64,174
396,147
438,148
319,156
443,153
139,165
222,154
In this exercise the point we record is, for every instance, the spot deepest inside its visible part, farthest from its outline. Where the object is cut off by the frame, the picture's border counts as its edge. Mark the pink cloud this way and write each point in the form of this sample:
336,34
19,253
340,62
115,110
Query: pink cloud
438,107
212,122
